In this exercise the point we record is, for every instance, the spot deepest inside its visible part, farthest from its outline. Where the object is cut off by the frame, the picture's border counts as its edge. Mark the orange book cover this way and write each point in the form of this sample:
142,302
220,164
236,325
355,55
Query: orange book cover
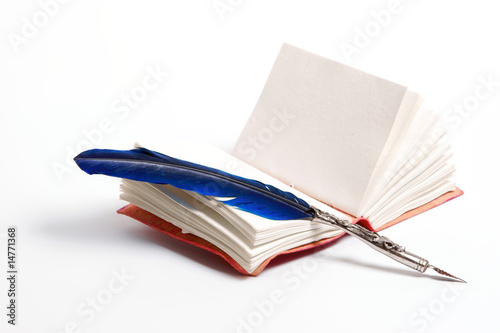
168,228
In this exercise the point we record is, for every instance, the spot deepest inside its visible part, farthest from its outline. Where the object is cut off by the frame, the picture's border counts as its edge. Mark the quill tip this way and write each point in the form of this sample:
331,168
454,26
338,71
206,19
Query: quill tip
440,271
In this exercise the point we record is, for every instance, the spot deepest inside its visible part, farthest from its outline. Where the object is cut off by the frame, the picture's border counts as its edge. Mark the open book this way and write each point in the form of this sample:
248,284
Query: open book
347,142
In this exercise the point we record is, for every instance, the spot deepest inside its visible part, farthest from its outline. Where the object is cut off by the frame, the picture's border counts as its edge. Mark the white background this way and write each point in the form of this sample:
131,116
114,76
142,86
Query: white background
66,77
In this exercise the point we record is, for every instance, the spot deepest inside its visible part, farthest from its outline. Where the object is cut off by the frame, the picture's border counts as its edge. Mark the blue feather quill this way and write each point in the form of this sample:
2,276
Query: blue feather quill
145,165
249,195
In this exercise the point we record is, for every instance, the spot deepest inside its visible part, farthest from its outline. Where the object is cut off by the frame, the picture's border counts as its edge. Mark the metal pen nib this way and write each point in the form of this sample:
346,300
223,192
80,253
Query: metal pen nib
380,243
440,271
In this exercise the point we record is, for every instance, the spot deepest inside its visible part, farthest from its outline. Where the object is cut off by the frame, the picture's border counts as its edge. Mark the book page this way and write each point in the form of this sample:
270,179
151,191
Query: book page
400,134
320,126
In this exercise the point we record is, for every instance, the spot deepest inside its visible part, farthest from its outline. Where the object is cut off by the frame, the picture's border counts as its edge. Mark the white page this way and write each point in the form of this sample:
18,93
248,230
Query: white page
400,132
320,126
